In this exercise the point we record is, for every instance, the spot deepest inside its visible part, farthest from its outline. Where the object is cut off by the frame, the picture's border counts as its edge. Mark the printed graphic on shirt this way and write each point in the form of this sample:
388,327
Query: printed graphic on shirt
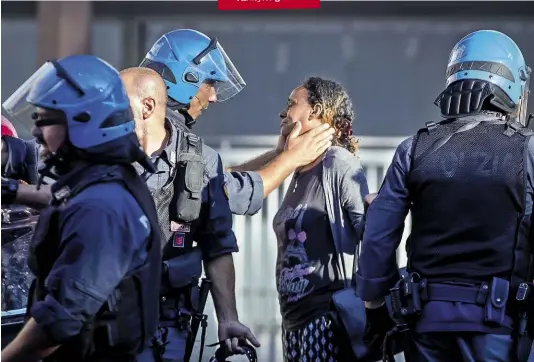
295,265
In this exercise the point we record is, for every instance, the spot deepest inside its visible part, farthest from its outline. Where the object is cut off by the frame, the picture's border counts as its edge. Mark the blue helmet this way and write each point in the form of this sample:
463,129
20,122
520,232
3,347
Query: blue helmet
186,59
491,56
87,90
90,95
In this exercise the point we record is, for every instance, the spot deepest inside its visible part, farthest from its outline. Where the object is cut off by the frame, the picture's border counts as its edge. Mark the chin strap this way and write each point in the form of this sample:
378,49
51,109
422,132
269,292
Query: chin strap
56,164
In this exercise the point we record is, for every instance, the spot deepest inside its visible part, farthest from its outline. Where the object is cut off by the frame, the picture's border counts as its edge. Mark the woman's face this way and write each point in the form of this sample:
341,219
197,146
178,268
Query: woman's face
298,109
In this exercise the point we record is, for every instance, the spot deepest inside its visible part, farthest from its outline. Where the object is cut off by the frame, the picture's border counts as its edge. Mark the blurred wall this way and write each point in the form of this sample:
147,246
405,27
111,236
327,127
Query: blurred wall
391,57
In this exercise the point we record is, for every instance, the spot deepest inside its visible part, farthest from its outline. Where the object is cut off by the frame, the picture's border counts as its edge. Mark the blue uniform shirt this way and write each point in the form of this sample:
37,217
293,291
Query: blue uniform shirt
244,190
378,269
104,235
214,234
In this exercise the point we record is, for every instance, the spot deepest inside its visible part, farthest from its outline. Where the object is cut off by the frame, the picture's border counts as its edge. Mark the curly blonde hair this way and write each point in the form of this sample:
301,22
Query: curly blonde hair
338,110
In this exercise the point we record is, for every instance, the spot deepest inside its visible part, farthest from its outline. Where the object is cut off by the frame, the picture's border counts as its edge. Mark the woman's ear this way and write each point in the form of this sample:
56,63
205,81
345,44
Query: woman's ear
317,110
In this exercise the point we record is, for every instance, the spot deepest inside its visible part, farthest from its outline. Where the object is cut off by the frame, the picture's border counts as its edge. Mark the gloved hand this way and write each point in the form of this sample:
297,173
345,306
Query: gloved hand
378,324
233,332
222,352
368,200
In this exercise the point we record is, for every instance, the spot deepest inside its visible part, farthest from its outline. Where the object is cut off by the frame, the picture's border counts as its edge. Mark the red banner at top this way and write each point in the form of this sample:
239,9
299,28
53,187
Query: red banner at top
267,4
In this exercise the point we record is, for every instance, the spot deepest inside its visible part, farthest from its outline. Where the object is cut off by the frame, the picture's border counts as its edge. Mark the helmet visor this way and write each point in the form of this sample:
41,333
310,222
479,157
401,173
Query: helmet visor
17,107
523,105
221,73
35,92
40,90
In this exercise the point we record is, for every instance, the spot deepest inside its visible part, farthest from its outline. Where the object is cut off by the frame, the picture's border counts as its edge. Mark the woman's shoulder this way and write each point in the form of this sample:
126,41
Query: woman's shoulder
339,159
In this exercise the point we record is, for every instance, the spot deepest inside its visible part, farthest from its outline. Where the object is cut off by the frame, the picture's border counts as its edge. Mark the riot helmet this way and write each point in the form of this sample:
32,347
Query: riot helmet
488,69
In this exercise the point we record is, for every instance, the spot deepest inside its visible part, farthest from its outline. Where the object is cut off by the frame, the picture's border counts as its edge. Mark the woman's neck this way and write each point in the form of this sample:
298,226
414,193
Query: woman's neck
311,165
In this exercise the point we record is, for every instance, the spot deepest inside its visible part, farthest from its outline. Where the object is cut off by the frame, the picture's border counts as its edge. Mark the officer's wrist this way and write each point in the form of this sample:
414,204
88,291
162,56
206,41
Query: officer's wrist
375,304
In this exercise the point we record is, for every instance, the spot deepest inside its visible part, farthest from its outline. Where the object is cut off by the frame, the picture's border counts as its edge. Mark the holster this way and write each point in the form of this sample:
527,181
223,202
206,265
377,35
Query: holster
525,328
405,306
181,275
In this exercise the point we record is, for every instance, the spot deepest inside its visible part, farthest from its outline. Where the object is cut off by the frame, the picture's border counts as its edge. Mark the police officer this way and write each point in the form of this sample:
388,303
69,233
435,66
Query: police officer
96,249
189,210
197,72
467,181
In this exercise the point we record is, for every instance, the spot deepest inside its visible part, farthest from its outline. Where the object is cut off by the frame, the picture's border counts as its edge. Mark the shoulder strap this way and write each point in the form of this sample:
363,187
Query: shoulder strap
192,147
188,145
512,127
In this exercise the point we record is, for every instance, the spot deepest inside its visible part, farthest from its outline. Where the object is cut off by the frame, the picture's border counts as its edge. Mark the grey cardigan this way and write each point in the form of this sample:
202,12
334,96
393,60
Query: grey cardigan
345,187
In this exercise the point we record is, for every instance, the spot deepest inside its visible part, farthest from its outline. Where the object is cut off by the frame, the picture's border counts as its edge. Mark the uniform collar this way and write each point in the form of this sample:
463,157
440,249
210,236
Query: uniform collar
181,119
170,149
79,172
484,116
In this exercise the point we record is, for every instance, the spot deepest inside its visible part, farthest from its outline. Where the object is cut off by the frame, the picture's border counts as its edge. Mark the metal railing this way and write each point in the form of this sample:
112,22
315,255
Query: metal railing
257,299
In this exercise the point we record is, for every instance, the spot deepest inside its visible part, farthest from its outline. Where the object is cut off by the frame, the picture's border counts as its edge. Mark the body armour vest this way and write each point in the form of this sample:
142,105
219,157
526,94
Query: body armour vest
179,201
467,189
124,324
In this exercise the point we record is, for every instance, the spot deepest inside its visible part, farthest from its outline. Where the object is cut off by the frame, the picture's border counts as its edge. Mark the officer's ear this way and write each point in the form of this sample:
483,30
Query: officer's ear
149,106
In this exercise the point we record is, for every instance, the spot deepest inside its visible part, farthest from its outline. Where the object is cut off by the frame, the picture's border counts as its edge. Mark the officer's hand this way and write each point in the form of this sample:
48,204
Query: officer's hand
307,147
233,331
282,139
368,200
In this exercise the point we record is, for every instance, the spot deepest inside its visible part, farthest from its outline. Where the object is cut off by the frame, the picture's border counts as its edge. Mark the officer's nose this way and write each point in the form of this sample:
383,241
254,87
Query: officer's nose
212,95
283,114
36,132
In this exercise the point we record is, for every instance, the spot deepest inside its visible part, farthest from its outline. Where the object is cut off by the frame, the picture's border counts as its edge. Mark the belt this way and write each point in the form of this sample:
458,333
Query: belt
454,293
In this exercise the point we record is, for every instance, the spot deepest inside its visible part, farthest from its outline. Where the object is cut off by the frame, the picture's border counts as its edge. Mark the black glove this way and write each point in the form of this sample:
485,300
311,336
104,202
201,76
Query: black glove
378,324
9,190
222,352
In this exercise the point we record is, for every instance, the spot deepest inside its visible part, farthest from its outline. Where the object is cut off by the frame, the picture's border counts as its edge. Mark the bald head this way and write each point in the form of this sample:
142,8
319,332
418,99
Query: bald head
148,99
144,83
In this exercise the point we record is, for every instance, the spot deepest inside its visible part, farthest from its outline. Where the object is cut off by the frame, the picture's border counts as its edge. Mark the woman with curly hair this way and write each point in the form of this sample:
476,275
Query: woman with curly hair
322,209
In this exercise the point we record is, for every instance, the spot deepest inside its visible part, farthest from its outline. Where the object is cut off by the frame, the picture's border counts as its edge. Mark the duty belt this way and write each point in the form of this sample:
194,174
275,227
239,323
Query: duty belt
411,293
175,313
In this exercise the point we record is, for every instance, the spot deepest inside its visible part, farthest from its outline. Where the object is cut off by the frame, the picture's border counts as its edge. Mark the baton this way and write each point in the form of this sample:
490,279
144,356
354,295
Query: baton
198,317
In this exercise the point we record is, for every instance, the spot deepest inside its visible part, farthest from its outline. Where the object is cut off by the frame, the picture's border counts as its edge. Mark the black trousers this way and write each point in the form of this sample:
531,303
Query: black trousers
461,346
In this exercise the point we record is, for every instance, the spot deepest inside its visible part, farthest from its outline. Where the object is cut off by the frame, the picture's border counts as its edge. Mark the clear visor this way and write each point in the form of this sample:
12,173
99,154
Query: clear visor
222,73
523,105
18,107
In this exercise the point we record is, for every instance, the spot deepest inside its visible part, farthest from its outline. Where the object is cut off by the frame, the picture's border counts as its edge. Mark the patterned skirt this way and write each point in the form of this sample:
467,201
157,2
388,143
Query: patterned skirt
312,343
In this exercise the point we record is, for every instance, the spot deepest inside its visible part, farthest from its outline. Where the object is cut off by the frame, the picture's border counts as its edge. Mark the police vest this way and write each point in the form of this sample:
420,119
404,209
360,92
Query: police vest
178,205
179,201
129,317
467,189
